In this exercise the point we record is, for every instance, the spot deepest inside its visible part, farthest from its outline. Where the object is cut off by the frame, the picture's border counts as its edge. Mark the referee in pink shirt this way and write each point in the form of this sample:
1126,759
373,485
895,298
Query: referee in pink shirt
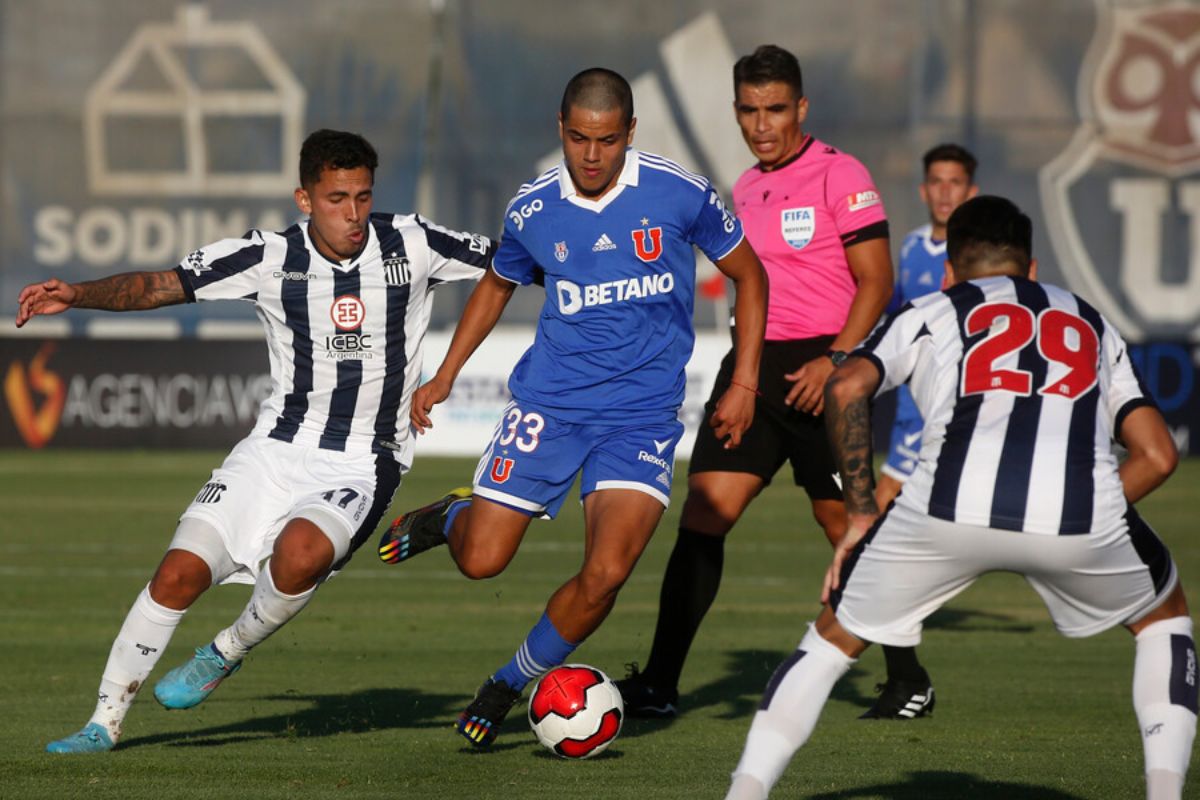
816,221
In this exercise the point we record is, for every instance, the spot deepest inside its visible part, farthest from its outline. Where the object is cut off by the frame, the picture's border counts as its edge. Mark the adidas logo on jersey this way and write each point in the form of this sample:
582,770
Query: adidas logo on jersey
603,243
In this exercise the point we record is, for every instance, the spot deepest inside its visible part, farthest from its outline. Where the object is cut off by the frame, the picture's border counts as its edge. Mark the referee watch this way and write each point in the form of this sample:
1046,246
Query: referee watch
838,357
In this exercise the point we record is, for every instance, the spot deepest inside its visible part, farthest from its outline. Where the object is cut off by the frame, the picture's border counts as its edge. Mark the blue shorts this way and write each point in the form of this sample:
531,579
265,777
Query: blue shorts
905,446
534,457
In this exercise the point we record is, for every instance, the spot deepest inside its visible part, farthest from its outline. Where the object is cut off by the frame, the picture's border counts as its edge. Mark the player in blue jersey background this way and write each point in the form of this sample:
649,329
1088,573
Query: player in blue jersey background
949,181
610,232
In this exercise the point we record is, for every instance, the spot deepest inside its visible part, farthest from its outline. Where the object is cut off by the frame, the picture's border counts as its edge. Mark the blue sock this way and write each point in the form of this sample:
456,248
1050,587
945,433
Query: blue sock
453,511
543,649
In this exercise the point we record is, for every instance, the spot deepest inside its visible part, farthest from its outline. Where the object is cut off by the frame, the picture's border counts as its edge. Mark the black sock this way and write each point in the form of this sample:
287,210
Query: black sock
902,664
688,589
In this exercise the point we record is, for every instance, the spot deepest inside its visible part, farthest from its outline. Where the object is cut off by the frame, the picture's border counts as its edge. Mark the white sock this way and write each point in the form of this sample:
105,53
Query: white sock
144,635
268,611
1165,700
791,705
746,787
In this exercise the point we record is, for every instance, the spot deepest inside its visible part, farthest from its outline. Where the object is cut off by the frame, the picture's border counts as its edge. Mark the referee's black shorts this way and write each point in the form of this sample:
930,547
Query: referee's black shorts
779,433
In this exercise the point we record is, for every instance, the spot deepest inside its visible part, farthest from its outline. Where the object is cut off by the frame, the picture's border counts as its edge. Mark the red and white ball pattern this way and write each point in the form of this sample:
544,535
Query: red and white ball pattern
576,711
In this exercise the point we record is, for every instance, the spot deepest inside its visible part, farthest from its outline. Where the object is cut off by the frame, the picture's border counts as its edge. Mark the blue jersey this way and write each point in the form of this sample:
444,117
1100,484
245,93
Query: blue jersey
615,332
922,265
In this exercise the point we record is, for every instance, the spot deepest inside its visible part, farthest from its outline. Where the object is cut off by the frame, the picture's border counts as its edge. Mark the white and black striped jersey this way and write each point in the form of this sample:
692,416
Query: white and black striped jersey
1022,386
344,338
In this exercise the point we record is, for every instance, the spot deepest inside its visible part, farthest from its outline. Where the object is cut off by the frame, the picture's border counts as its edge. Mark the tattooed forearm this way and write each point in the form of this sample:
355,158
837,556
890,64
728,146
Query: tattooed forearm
848,424
131,291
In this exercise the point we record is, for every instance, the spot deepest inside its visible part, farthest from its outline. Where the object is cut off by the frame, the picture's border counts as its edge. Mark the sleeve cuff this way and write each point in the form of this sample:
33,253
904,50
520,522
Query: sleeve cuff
876,230
731,248
188,291
1126,409
875,362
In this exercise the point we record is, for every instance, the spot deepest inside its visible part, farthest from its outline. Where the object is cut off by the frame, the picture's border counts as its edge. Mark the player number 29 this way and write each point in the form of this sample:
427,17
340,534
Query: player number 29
523,429
1063,340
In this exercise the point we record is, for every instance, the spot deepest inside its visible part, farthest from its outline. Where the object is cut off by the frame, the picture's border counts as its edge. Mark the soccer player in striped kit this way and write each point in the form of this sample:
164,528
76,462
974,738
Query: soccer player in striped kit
814,217
610,231
1023,387
345,297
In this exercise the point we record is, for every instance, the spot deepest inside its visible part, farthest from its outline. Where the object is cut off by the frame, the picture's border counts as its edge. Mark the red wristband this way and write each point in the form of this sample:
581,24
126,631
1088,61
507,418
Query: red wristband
757,393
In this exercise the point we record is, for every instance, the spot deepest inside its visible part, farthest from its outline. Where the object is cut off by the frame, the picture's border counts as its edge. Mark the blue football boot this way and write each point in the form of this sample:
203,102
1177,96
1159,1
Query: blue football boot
93,738
188,685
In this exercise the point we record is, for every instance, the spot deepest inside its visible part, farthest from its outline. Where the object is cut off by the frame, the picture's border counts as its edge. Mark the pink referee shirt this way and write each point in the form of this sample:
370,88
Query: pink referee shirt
799,219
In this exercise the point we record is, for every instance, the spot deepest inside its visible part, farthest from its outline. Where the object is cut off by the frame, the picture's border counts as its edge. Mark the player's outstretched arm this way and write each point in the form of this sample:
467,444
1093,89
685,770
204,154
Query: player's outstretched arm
482,312
129,291
1152,453
848,426
735,409
871,264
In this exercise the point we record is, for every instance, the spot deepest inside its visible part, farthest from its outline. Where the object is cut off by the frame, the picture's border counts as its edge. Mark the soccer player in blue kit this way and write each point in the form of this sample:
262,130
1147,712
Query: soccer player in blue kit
948,182
610,232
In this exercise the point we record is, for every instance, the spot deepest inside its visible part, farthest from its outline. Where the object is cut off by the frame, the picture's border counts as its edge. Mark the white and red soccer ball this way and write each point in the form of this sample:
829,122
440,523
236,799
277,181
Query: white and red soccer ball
576,711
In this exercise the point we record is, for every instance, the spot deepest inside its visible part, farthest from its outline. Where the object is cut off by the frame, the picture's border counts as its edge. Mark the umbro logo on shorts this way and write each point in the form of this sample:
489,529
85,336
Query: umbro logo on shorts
603,243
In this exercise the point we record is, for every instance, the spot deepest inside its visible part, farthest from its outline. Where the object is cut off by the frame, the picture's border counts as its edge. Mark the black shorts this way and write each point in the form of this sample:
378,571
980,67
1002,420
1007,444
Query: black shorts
778,433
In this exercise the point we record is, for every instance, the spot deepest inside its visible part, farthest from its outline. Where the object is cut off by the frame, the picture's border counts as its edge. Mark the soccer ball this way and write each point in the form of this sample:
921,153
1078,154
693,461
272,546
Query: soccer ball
576,711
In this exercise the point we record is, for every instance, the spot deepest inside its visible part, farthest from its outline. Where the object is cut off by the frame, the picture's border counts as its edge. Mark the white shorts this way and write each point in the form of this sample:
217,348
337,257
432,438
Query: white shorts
911,565
263,483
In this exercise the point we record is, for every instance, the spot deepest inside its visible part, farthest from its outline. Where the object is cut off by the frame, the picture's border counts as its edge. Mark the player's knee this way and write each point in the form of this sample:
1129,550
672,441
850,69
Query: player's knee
297,566
180,579
599,582
705,511
479,569
479,563
831,516
301,555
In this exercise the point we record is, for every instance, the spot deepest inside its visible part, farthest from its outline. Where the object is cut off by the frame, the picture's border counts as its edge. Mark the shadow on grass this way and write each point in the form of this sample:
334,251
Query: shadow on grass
937,785
965,619
369,710
736,695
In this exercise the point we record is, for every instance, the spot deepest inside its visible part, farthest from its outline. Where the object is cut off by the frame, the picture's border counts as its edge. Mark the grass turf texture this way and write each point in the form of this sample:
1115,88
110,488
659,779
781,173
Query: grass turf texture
356,697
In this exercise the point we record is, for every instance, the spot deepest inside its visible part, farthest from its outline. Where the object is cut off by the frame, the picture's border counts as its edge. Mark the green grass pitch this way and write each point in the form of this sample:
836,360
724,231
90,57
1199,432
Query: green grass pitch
356,697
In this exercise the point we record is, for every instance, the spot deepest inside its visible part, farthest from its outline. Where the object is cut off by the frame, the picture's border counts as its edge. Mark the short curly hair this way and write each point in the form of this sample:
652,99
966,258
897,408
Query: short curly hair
328,149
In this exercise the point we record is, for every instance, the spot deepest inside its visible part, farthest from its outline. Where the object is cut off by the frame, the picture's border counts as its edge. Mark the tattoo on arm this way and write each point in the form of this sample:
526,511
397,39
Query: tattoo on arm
131,291
849,430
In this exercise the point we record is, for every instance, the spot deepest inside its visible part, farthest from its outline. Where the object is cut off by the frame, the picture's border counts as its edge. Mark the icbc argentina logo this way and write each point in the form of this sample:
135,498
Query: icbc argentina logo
1121,202
348,312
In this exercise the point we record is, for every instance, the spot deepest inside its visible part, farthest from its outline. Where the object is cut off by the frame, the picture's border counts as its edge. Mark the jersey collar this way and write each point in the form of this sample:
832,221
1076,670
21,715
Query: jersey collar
804,145
349,263
932,247
628,177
